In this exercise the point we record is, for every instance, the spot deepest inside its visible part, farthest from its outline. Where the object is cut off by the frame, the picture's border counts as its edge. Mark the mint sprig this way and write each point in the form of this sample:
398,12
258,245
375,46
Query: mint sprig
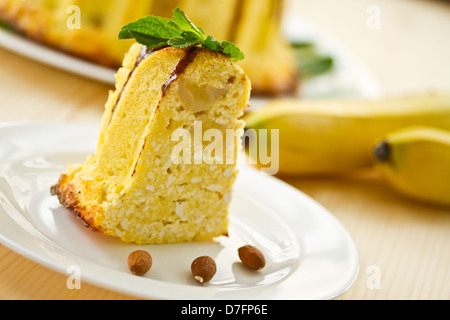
311,63
154,32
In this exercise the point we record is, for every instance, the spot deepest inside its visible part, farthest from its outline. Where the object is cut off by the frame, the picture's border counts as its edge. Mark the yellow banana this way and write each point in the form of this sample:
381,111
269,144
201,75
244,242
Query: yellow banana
416,162
335,136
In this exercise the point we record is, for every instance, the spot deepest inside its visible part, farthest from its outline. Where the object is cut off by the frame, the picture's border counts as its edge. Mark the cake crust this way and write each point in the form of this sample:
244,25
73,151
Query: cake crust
67,195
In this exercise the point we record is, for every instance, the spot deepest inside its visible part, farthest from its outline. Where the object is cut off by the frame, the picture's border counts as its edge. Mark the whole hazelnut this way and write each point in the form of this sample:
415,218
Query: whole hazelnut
139,262
203,269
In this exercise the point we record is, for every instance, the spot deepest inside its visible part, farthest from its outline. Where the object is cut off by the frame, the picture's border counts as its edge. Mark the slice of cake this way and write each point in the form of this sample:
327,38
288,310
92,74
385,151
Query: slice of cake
135,187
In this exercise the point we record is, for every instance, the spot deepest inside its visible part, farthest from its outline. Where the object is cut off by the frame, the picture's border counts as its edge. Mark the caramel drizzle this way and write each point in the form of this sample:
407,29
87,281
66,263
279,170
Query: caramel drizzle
190,55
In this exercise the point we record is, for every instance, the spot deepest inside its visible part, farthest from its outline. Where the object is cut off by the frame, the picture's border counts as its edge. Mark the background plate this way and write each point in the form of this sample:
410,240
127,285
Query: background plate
310,255
350,77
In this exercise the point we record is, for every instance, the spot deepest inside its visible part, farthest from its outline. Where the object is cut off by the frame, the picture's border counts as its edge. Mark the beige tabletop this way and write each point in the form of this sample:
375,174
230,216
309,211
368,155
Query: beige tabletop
404,246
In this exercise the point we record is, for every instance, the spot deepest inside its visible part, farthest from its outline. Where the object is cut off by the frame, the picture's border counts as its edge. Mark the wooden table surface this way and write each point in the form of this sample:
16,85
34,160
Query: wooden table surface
403,244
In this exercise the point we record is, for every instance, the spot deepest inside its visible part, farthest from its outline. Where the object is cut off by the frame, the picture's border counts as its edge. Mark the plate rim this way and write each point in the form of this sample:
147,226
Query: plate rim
49,262
26,47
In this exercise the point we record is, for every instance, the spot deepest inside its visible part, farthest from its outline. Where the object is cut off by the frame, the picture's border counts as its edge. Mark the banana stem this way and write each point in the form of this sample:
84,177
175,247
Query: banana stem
382,152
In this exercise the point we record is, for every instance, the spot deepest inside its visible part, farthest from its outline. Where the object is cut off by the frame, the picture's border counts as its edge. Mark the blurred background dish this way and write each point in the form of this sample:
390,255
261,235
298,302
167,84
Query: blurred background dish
89,29
283,56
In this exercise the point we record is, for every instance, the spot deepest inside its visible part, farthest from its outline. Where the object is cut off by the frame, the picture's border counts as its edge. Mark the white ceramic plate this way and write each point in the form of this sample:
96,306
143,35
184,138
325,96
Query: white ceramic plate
349,78
309,253
46,55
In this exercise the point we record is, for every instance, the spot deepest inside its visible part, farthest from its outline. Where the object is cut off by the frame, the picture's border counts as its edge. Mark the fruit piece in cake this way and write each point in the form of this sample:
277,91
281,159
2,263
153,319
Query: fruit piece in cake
131,187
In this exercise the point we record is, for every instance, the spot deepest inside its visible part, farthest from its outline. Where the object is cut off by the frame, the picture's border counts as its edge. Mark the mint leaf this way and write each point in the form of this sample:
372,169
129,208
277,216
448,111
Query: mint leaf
125,34
187,39
180,32
157,27
149,41
232,51
183,22
212,44
311,63
4,25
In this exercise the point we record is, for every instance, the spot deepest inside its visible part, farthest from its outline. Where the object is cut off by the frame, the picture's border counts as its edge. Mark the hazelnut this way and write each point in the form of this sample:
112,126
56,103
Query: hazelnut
252,257
203,269
139,262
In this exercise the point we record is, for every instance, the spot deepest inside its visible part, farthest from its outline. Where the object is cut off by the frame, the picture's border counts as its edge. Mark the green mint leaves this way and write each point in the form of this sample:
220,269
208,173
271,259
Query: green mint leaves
311,62
154,32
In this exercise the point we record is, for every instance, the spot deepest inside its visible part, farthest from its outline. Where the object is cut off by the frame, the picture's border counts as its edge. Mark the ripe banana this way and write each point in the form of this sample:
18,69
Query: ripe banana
335,136
416,162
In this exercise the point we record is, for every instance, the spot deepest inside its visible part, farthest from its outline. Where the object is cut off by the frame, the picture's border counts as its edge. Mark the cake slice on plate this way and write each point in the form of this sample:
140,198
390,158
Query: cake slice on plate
154,177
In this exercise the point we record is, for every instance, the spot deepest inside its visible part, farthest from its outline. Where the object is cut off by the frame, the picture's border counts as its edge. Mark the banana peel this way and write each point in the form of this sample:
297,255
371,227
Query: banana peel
322,137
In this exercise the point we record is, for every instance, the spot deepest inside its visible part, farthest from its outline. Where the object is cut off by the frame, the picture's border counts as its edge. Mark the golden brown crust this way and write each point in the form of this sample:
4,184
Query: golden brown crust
68,197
